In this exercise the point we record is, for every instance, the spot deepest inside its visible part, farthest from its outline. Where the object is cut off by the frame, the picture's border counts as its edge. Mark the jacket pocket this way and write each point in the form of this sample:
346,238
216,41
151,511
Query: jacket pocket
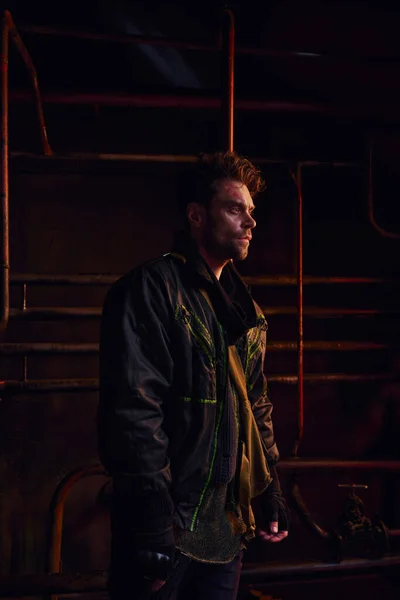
198,330
203,350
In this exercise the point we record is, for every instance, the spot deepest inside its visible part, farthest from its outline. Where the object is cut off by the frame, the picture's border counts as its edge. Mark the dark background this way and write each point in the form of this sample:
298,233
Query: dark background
90,216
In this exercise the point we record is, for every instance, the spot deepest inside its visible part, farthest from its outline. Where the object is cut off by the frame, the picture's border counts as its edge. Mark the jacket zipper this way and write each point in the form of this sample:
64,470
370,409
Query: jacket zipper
215,441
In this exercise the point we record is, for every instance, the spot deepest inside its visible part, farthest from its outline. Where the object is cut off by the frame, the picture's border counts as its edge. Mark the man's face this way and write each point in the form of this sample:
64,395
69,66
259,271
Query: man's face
228,221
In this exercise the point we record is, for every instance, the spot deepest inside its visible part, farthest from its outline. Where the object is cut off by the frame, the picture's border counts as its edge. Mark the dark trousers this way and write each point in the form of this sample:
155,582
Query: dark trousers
189,580
201,581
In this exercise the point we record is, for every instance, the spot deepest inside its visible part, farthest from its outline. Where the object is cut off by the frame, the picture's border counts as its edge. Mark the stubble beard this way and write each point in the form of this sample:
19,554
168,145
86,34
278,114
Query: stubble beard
238,253
224,251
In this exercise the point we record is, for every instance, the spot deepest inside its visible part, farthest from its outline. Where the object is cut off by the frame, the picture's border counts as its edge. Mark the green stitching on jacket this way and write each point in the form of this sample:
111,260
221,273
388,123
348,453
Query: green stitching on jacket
236,409
215,440
197,329
200,400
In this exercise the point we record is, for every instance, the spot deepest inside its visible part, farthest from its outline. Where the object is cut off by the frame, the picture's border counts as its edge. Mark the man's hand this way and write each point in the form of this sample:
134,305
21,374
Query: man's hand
273,535
274,512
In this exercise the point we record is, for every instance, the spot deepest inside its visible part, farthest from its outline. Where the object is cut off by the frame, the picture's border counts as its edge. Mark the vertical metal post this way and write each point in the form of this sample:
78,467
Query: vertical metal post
300,338
4,233
228,79
16,38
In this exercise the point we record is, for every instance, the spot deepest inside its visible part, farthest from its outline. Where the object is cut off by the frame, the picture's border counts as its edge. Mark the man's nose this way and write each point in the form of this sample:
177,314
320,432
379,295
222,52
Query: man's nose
250,221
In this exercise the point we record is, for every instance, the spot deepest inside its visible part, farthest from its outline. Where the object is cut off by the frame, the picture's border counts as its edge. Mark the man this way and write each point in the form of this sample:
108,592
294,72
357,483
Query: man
185,424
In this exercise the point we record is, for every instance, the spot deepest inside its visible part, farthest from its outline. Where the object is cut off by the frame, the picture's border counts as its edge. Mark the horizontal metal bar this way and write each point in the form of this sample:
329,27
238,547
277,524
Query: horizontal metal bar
334,163
49,385
14,586
261,280
71,385
182,102
61,312
120,38
322,346
301,571
110,157
334,378
44,279
394,533
317,312
200,47
23,348
363,465
278,280
168,158
54,313
47,348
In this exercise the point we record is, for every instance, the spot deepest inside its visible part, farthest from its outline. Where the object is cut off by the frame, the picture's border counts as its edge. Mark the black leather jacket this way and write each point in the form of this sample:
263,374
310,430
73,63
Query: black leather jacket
163,369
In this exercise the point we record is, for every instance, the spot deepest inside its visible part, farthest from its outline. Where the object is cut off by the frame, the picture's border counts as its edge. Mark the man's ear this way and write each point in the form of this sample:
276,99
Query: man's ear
195,214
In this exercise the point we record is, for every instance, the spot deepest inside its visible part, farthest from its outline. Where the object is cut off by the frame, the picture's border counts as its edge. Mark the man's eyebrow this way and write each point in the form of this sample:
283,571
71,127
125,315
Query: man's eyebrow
241,204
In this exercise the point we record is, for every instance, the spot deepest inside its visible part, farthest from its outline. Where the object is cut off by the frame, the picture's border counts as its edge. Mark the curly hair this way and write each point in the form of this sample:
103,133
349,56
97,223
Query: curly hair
198,183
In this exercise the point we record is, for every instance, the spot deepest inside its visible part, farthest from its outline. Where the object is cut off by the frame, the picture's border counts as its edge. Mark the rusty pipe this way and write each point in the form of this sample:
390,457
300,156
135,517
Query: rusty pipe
92,385
262,573
66,312
332,463
24,348
328,312
198,102
169,101
334,378
120,38
16,38
54,313
56,279
32,386
310,464
305,516
189,45
228,79
18,586
262,280
384,232
5,243
312,280
18,348
8,31
57,514
394,533
173,158
322,346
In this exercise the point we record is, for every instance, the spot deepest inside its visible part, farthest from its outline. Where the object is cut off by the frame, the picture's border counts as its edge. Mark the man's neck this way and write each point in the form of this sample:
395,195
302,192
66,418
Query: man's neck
215,264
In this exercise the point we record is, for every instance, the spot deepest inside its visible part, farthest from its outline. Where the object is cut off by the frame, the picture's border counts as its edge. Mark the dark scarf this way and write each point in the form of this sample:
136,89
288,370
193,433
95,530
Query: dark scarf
230,297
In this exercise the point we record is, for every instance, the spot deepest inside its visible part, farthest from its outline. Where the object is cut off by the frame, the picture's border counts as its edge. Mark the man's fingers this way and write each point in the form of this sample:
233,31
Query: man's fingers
273,526
157,585
273,537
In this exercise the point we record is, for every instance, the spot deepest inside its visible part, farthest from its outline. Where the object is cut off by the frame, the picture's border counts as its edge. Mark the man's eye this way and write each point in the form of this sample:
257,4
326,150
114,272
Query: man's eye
235,209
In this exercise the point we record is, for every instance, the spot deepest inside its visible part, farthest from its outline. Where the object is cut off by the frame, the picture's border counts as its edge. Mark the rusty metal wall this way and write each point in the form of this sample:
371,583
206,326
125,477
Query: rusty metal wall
80,217
108,221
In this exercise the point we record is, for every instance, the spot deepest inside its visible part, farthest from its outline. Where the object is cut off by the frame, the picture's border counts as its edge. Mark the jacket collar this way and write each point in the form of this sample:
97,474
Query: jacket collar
230,296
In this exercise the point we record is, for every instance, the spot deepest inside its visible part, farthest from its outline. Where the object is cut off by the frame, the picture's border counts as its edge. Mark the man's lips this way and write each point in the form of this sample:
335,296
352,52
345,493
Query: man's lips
245,237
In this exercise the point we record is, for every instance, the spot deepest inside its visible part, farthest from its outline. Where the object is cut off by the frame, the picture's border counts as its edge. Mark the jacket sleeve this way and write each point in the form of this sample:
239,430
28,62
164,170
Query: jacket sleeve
261,405
135,382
